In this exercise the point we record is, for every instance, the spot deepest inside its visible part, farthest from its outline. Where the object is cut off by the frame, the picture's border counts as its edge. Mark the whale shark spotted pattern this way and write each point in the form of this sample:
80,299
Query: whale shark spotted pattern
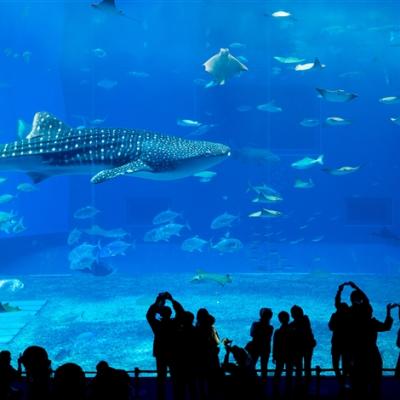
53,148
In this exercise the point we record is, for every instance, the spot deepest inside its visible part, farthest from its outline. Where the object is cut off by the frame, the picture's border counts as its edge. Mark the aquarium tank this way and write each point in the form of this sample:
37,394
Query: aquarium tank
238,154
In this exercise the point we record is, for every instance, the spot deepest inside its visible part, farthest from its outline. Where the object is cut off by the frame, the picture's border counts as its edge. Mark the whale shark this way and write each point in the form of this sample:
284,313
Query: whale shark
54,148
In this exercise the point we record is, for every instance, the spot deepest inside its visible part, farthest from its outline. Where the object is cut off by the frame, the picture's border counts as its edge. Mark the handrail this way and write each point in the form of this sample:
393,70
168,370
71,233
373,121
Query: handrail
137,372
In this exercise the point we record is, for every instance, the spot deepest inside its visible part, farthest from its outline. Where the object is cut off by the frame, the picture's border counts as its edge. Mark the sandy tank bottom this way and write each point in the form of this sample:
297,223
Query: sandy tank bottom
86,319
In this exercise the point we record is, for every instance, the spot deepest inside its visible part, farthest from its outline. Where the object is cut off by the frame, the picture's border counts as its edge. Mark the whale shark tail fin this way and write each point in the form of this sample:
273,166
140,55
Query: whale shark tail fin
46,124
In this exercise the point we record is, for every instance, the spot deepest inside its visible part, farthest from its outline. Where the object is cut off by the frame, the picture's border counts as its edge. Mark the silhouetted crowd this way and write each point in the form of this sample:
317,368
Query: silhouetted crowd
188,347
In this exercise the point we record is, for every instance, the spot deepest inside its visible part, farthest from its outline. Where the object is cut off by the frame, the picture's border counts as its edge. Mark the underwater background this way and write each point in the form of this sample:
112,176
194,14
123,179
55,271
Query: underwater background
144,69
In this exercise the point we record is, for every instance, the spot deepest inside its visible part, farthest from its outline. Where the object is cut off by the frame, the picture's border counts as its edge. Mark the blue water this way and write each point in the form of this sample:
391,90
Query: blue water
47,63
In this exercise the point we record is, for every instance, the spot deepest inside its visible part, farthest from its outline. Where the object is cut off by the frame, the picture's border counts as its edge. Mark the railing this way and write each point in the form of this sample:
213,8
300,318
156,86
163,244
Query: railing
137,372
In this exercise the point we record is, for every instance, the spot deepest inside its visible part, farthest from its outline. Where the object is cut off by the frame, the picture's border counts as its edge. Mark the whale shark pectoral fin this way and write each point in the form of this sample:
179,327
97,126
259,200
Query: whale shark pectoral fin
129,168
46,124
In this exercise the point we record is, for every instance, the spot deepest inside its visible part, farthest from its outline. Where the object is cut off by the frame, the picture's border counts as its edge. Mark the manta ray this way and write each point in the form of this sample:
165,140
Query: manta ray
223,66
54,148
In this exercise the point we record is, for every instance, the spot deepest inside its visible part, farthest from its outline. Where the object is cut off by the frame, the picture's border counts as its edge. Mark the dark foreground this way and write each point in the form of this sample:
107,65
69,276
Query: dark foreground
324,387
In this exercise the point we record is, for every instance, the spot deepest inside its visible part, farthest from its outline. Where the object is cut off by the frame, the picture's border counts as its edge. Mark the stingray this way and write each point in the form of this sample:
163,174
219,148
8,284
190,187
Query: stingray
336,96
223,66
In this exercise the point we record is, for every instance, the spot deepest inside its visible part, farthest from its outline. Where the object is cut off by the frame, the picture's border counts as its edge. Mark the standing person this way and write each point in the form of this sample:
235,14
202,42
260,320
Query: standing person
303,342
164,327
208,367
186,358
260,346
8,375
282,350
366,360
340,349
38,372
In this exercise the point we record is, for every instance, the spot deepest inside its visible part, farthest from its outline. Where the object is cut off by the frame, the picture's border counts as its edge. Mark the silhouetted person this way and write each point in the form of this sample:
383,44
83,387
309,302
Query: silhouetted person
8,375
397,371
282,351
185,358
260,346
110,383
208,367
303,342
243,375
164,329
69,383
339,325
38,371
366,360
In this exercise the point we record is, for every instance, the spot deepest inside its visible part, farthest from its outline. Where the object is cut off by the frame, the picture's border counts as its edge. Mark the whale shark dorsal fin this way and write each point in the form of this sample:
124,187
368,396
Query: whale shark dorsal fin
46,124
126,169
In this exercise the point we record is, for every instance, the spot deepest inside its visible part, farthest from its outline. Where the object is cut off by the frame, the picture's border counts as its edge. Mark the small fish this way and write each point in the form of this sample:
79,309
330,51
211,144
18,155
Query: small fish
289,60
188,123
300,184
224,220
99,53
26,56
205,176
243,108
309,122
194,244
202,276
96,230
267,198
264,189
86,212
115,248
165,232
336,95
395,120
302,227
83,256
297,241
281,14
308,162
74,236
6,198
270,107
337,121
223,66
237,46
27,187
165,217
2,179
228,245
202,130
139,74
317,238
97,121
313,65
266,213
389,100
342,170
107,84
